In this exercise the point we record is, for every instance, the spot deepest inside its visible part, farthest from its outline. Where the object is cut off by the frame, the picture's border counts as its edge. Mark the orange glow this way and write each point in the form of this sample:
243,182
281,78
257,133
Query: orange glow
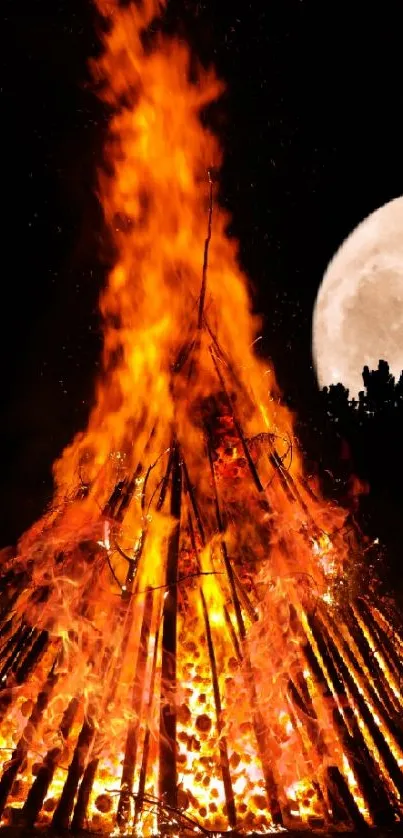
184,583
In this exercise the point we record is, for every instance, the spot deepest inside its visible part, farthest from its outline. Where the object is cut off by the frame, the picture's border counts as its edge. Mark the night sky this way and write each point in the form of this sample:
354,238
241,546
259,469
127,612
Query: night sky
311,126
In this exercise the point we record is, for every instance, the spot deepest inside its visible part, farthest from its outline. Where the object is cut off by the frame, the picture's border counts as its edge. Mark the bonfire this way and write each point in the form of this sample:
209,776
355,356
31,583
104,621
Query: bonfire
181,648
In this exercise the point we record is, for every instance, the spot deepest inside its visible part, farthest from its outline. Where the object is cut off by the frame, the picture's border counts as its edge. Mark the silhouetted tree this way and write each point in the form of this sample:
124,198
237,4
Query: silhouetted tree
382,395
364,437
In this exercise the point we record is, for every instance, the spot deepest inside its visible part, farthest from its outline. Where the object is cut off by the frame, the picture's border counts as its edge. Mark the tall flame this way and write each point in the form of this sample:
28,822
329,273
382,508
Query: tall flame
167,628
156,208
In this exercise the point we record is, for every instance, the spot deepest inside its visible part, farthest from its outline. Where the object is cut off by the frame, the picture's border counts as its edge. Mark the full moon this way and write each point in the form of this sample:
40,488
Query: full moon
358,313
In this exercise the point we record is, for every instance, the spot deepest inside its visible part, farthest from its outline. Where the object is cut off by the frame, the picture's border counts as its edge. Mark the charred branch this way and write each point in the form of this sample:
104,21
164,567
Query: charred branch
168,745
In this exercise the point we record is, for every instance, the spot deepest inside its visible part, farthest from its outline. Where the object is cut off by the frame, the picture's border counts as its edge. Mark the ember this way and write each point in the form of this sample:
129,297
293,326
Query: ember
179,650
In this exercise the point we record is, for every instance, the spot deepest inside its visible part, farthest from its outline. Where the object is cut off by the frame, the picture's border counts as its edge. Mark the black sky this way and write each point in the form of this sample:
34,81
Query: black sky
311,125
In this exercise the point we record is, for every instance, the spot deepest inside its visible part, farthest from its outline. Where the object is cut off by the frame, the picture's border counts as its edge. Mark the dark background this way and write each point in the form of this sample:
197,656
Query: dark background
311,126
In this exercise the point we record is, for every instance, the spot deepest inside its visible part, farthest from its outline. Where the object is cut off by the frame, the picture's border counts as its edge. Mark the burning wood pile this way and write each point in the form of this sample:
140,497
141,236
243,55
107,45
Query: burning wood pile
179,648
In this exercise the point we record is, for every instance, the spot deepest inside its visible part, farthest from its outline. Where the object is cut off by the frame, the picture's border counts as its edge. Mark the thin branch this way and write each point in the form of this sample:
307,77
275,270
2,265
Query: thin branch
175,813
183,579
205,258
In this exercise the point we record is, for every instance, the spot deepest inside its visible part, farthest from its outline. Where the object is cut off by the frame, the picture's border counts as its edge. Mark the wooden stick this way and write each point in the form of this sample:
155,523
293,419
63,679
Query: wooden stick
223,749
342,800
39,789
167,735
65,805
31,659
222,744
122,618
297,723
19,754
381,638
346,680
205,255
234,638
34,654
224,552
339,645
390,702
13,648
195,506
146,743
129,762
352,739
260,728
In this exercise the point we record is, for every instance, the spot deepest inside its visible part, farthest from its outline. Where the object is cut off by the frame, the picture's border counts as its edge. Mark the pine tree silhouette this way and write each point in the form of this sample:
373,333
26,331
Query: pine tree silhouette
370,429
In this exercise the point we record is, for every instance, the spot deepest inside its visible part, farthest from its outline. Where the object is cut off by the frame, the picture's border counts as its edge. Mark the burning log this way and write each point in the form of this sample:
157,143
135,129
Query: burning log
315,738
342,801
39,789
133,730
200,316
223,749
370,722
342,678
168,745
65,805
382,806
224,760
382,641
18,756
21,661
122,620
360,634
146,744
224,552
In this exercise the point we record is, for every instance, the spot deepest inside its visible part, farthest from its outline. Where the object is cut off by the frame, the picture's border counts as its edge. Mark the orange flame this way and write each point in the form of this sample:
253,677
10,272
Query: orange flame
155,205
247,559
